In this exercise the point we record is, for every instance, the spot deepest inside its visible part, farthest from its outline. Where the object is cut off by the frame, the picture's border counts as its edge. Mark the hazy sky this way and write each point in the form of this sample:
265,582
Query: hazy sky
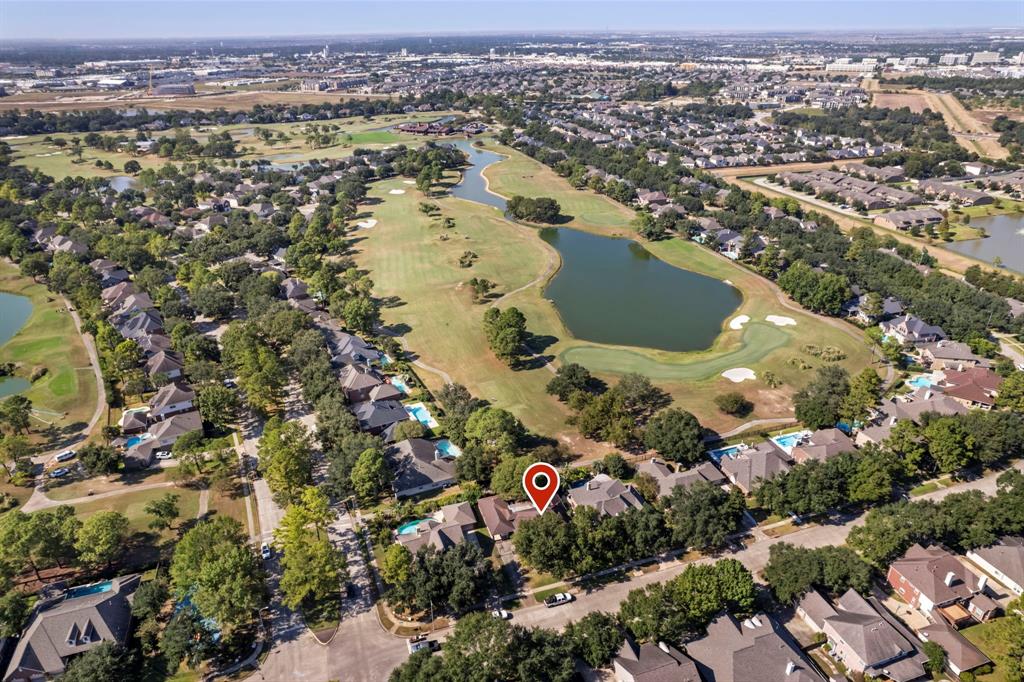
83,19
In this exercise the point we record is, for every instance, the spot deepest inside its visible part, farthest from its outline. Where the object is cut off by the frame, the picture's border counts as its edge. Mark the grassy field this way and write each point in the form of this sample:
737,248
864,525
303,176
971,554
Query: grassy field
984,637
49,339
407,258
132,504
34,152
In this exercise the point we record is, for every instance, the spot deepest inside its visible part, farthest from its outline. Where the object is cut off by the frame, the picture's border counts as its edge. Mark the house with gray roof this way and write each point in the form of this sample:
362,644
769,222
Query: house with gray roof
946,354
821,445
759,463
754,650
174,398
69,623
961,655
167,362
379,416
669,479
1004,561
502,518
938,584
418,467
908,329
653,663
357,382
609,496
450,526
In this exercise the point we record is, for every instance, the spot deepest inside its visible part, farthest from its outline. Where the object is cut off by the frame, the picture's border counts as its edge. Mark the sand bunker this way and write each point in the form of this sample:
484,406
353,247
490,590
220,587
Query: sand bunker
397,191
738,374
738,321
409,182
780,321
367,224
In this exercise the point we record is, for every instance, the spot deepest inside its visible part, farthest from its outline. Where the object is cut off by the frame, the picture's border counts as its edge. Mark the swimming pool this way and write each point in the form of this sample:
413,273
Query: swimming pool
409,527
790,440
86,590
420,413
399,383
135,440
730,452
447,448
923,381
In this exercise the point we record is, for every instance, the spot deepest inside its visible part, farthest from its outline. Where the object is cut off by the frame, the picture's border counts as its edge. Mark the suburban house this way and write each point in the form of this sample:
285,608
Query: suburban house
452,528
915,404
864,637
357,382
169,363
134,421
379,416
904,220
948,354
502,518
69,622
351,349
418,467
933,580
909,329
754,650
821,445
961,655
668,479
759,463
653,663
609,496
160,437
975,387
1004,561
174,398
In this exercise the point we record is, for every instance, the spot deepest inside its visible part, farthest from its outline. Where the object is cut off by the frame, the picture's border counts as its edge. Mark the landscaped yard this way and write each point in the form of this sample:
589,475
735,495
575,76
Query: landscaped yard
132,504
66,394
984,637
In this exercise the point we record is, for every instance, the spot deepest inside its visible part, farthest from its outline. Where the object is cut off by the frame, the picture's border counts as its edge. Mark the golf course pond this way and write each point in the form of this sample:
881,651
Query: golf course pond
14,313
614,291
1005,241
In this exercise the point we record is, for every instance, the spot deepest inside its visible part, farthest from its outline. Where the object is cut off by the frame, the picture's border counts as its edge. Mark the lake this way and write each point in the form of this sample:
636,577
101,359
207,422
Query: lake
615,291
14,313
1005,240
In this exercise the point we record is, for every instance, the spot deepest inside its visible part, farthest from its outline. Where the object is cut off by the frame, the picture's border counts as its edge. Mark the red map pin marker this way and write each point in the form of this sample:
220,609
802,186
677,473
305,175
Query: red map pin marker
541,481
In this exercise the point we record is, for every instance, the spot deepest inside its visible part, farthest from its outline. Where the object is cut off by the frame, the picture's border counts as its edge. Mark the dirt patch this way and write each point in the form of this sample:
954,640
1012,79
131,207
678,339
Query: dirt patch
892,100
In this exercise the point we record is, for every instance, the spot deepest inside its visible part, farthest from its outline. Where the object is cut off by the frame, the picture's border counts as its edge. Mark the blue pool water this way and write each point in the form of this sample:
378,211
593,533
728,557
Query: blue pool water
921,382
135,440
400,384
448,448
790,440
421,414
730,451
86,590
409,527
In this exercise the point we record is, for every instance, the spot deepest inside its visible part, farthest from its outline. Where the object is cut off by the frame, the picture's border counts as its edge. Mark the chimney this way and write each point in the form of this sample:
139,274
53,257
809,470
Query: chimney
950,577
982,581
663,647
790,667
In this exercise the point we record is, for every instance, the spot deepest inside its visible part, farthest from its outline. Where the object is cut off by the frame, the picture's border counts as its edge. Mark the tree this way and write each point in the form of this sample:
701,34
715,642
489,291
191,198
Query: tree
865,390
187,639
286,459
216,567
702,516
734,403
14,611
132,167
361,314
164,511
99,459
677,435
792,571
545,542
102,537
539,210
506,333
150,598
936,659
396,566
494,430
819,404
949,444
595,638
507,477
613,464
568,379
16,412
217,404
371,475
108,661
1011,392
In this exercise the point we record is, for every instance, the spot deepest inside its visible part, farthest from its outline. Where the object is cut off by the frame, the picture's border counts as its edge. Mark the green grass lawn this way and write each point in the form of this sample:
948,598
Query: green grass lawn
49,339
984,636
132,504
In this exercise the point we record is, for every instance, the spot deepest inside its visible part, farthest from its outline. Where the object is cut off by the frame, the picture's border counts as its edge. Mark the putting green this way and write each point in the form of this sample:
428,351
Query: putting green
758,340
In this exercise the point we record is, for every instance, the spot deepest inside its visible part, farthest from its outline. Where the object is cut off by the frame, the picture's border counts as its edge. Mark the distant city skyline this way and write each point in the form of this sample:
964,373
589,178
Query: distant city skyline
153,19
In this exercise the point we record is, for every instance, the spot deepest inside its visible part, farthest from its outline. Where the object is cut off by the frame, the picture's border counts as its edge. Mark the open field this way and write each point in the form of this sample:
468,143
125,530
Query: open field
33,151
984,637
49,339
233,100
406,258
744,177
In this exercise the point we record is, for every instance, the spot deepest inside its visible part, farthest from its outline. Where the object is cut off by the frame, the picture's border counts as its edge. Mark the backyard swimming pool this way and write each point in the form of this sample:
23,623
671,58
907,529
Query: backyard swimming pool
420,413
730,452
135,440
399,383
86,590
790,440
923,381
448,448
409,527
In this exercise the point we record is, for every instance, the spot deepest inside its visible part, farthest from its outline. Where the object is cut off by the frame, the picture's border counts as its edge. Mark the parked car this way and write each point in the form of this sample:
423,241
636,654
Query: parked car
60,473
265,551
165,454
65,456
501,614
558,599
418,643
